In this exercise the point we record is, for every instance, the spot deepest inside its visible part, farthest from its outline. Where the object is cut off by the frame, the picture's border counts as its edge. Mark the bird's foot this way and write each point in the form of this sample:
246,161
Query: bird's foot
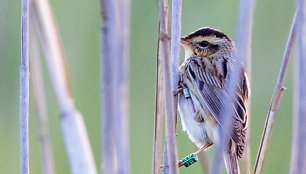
180,88
178,91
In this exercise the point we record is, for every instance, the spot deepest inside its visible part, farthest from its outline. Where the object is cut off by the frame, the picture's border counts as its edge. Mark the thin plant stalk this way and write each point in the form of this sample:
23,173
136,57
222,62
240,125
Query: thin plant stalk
175,47
227,125
276,97
24,89
169,97
41,106
114,86
172,77
165,159
122,130
158,115
164,48
298,159
107,101
74,131
227,115
226,119
243,44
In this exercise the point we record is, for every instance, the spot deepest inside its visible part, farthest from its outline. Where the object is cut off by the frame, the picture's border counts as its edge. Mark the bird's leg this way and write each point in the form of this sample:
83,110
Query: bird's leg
181,85
192,158
205,146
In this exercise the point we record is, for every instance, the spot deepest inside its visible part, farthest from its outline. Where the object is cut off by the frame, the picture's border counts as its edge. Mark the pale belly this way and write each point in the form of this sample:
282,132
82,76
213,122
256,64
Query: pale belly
200,133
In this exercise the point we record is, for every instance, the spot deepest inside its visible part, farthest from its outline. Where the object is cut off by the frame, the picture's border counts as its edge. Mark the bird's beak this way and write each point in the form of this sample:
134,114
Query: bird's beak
184,41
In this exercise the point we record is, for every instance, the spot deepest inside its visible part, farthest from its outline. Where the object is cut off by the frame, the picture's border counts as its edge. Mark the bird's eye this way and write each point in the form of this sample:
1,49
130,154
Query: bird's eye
204,44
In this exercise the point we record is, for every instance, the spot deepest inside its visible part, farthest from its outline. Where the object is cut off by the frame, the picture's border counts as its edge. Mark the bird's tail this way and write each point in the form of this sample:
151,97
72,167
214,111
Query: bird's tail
231,163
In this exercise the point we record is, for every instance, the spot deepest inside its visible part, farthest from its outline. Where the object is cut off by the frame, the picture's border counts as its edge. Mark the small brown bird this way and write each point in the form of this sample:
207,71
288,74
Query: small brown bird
210,58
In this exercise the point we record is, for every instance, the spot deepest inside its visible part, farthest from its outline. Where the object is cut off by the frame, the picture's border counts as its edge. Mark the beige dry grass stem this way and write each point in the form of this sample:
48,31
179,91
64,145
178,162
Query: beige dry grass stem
276,97
74,131
158,115
40,105
170,138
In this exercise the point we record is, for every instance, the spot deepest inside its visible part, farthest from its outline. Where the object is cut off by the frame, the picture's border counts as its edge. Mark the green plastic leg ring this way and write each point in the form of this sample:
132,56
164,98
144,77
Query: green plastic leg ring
189,160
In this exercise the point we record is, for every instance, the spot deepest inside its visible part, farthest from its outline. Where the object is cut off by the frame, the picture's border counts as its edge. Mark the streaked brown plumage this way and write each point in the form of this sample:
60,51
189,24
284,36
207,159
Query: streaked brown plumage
210,58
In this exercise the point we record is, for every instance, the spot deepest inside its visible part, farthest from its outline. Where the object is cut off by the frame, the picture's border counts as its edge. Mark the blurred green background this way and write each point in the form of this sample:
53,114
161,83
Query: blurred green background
79,23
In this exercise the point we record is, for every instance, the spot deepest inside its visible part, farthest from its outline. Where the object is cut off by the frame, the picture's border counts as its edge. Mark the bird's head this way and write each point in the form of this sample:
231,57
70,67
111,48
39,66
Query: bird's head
206,42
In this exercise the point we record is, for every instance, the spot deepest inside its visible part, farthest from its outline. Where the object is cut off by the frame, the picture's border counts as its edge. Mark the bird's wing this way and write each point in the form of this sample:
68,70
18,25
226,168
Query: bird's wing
212,89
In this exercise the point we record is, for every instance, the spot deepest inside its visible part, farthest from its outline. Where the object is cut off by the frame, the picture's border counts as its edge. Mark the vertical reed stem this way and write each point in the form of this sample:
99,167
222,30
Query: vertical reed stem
171,147
171,75
114,85
243,44
175,47
159,111
227,113
24,89
164,48
107,100
298,158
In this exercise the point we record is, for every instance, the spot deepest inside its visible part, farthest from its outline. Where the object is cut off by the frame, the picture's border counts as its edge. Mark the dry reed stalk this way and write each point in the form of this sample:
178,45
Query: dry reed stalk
227,120
172,77
298,159
24,89
276,97
169,76
41,106
107,101
175,48
243,44
164,48
227,114
114,85
158,115
74,131
165,159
